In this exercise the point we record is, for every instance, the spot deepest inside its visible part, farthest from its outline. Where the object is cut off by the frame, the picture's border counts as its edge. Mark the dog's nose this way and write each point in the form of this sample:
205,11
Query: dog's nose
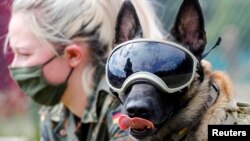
138,109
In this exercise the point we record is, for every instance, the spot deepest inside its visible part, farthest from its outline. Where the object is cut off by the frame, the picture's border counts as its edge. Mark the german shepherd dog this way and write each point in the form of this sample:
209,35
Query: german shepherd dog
186,114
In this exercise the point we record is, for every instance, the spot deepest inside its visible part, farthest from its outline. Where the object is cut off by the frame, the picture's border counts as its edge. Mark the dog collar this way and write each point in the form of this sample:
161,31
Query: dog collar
179,136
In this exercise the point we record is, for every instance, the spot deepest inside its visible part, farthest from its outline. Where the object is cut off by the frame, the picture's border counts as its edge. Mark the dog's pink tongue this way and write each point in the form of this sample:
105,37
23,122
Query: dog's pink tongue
126,122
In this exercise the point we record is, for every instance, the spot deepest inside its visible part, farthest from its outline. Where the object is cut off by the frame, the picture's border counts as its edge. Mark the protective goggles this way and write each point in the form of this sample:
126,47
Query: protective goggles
168,66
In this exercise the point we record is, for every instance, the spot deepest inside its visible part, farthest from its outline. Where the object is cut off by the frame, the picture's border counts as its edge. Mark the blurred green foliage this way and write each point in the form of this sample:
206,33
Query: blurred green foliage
228,19
22,125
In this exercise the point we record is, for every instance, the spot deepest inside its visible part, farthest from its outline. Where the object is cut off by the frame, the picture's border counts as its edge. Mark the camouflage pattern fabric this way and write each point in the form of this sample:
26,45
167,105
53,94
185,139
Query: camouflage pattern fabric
59,124
100,117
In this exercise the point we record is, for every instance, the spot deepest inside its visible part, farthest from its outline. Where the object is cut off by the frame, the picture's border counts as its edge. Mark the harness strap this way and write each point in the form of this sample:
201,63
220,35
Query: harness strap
229,118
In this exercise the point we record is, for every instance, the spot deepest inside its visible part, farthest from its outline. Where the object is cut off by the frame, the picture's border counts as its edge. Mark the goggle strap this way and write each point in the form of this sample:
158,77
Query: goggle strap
52,58
116,95
216,44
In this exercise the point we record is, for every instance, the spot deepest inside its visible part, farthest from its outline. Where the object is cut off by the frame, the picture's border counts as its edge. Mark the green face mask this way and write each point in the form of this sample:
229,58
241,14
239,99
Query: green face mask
34,85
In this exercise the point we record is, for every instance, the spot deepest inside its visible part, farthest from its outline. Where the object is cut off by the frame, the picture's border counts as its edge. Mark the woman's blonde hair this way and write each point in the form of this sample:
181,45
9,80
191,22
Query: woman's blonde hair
93,21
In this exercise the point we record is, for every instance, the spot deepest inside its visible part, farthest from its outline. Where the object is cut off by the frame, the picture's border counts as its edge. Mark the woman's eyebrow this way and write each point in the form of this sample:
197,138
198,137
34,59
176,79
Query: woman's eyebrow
20,48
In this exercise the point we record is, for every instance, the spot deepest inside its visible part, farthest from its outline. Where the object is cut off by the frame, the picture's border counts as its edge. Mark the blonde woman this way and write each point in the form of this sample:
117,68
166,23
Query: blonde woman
60,49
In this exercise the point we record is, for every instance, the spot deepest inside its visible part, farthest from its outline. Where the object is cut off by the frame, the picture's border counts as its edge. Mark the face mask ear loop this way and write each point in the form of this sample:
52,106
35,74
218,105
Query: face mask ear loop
200,71
49,60
54,58
69,74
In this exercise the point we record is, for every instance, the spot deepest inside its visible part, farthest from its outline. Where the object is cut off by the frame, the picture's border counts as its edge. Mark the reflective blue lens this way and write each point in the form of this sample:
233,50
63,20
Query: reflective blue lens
173,65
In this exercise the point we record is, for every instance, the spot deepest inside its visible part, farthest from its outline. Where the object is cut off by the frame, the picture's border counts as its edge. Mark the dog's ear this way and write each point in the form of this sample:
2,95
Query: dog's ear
128,25
189,29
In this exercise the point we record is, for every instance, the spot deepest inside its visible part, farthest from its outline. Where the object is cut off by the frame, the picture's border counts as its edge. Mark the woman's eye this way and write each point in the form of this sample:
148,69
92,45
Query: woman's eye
22,56
25,54
22,53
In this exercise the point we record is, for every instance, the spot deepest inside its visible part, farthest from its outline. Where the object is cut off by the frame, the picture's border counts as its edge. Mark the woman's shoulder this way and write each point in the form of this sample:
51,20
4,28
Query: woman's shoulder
53,113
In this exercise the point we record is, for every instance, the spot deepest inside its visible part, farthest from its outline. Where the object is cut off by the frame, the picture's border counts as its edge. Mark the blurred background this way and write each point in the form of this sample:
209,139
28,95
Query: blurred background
228,19
18,115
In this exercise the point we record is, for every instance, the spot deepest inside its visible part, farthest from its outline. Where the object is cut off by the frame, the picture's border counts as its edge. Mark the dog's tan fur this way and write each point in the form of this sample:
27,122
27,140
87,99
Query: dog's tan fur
217,112
198,95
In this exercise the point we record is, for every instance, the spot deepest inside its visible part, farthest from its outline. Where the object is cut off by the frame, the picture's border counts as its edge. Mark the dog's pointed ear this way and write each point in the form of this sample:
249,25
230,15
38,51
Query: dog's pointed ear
189,27
128,25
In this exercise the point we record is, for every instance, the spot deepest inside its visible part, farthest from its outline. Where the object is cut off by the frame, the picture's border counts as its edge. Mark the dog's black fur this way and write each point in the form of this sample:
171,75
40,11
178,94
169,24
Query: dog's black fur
185,109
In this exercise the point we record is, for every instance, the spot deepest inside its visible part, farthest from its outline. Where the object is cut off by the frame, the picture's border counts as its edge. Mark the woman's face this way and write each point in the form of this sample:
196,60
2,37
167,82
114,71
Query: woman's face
30,51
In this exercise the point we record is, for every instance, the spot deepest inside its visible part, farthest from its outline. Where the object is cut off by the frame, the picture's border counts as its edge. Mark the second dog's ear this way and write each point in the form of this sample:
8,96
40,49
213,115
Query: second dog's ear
128,25
189,27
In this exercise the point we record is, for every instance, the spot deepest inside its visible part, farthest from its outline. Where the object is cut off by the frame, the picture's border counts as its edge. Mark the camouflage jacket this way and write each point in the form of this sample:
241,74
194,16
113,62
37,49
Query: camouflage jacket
99,122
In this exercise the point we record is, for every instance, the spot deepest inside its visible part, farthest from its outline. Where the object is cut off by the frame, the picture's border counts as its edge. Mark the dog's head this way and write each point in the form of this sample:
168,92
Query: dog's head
152,113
